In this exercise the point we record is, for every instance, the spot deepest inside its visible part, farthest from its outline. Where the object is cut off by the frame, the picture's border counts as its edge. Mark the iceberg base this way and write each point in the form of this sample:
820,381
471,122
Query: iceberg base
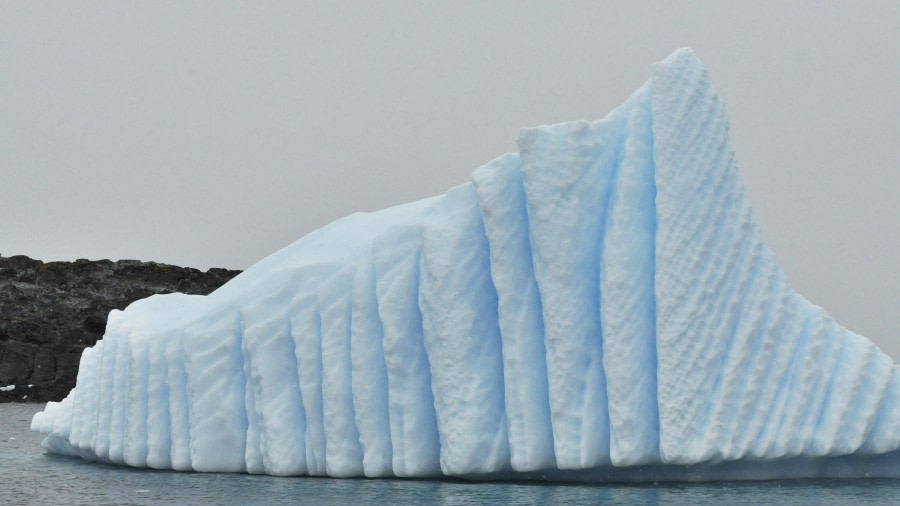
886,465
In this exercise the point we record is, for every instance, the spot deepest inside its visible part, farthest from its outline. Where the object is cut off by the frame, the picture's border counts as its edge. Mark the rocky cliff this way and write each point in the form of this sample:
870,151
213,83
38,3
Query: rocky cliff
51,311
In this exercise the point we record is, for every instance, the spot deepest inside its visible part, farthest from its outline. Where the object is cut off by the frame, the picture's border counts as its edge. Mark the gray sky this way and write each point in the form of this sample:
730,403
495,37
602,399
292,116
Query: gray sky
213,134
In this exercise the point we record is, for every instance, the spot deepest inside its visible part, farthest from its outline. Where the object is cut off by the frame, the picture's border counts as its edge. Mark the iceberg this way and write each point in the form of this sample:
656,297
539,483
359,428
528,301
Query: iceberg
597,306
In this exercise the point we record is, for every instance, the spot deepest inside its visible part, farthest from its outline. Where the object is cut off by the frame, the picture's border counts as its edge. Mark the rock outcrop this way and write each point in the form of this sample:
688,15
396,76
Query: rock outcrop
51,311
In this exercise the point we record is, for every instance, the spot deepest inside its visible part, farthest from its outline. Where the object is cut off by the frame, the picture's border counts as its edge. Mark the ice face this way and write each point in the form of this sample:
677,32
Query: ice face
599,305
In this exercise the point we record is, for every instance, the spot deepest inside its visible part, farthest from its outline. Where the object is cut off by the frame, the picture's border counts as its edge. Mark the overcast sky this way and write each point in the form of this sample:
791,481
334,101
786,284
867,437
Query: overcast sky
209,134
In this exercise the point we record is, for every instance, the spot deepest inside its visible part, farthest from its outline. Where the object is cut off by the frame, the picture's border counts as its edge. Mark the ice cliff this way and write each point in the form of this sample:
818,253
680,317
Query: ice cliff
596,306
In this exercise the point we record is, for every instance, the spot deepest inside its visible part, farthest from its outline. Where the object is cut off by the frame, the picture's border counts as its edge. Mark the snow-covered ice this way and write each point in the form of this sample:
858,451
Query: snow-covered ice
598,305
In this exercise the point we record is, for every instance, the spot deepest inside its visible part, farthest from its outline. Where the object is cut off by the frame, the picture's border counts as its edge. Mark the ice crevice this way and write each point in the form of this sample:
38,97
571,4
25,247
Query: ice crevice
598,305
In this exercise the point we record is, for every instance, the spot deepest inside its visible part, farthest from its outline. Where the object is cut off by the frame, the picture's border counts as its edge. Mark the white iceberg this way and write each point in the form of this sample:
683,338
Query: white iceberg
596,306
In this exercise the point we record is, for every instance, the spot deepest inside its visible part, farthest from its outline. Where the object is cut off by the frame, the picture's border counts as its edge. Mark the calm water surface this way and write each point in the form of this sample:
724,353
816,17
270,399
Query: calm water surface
29,476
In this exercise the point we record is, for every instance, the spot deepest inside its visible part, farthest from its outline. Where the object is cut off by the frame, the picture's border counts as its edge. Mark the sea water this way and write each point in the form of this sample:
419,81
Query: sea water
28,476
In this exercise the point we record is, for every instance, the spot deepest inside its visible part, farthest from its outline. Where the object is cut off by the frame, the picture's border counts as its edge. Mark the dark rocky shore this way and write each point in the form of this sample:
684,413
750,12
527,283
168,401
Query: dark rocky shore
51,311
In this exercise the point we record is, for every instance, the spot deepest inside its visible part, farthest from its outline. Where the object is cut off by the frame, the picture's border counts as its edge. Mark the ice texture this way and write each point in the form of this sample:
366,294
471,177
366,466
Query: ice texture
598,305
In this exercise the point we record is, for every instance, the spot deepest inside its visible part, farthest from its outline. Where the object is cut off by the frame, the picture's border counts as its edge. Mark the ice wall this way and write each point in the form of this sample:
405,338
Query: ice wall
599,305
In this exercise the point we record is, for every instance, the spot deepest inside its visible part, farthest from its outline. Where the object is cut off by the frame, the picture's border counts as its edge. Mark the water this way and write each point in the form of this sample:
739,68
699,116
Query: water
29,476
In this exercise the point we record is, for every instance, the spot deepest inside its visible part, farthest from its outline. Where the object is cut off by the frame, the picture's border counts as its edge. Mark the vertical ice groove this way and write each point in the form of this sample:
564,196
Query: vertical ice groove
79,395
369,378
462,337
89,415
567,171
343,454
413,422
253,444
100,441
135,445
94,414
91,412
272,364
179,404
79,401
501,197
256,458
627,298
159,442
223,425
293,390
119,389
306,332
